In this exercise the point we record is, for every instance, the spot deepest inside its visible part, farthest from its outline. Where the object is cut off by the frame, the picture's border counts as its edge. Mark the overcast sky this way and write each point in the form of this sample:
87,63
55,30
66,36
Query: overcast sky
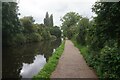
38,8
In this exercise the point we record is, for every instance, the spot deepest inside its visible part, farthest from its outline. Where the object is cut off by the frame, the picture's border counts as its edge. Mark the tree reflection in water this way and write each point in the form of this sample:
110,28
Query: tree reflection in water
17,59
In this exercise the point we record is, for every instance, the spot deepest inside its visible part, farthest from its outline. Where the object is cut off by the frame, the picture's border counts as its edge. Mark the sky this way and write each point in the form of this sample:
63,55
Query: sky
38,8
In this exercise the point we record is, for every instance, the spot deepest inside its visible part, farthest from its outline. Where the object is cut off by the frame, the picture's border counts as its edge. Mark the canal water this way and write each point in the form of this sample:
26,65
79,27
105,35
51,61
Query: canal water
27,60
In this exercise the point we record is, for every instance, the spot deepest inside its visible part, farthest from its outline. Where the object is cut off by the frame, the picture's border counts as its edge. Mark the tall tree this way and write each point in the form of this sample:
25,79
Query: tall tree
83,24
10,21
107,23
68,21
51,20
46,19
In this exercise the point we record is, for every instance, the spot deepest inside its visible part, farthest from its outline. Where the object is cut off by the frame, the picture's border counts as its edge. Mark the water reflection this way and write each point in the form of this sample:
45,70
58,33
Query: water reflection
26,58
33,68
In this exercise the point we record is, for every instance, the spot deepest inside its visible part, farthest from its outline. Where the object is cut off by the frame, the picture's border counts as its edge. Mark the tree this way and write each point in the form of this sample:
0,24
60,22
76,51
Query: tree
55,31
107,23
83,24
105,39
51,20
10,22
68,20
27,22
48,21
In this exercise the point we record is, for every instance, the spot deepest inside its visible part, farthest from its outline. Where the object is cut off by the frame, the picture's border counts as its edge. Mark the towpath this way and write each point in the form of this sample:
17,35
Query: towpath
72,64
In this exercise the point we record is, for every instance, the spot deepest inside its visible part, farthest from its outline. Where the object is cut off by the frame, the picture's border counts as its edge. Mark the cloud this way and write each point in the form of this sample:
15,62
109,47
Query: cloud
29,70
38,8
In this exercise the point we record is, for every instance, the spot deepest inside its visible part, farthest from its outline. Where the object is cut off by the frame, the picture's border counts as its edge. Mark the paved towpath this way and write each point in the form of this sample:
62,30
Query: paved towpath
72,64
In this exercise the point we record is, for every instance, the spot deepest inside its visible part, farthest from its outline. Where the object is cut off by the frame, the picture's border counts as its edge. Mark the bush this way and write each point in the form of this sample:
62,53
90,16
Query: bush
55,31
80,39
110,62
106,61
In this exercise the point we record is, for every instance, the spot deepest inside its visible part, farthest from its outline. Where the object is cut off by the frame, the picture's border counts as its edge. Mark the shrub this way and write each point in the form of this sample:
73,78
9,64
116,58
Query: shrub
110,62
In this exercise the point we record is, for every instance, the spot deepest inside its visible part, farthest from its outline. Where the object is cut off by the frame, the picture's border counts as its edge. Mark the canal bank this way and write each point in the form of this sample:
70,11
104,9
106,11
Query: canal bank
51,64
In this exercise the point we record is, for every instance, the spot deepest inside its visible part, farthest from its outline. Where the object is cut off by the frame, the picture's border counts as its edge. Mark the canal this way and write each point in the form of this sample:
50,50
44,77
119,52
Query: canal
27,60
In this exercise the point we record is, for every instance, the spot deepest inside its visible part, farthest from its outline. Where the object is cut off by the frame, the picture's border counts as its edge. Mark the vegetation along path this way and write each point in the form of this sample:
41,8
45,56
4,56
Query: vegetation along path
72,64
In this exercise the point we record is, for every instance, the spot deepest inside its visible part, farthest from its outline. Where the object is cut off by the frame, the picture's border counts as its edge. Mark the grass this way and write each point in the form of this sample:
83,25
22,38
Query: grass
82,49
86,54
51,64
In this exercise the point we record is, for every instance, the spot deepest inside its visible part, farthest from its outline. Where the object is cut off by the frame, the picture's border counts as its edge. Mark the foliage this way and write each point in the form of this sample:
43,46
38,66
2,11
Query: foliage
107,23
83,24
83,49
98,39
17,31
33,37
34,32
27,22
51,20
68,20
55,31
19,39
48,21
51,65
110,56
46,34
10,22
105,41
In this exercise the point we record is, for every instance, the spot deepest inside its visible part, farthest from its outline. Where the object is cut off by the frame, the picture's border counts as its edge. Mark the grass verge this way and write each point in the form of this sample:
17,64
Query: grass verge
82,49
99,60
86,54
51,64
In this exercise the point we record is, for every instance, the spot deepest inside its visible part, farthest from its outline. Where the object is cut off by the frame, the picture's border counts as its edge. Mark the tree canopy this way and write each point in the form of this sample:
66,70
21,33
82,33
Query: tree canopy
69,19
17,31
10,21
